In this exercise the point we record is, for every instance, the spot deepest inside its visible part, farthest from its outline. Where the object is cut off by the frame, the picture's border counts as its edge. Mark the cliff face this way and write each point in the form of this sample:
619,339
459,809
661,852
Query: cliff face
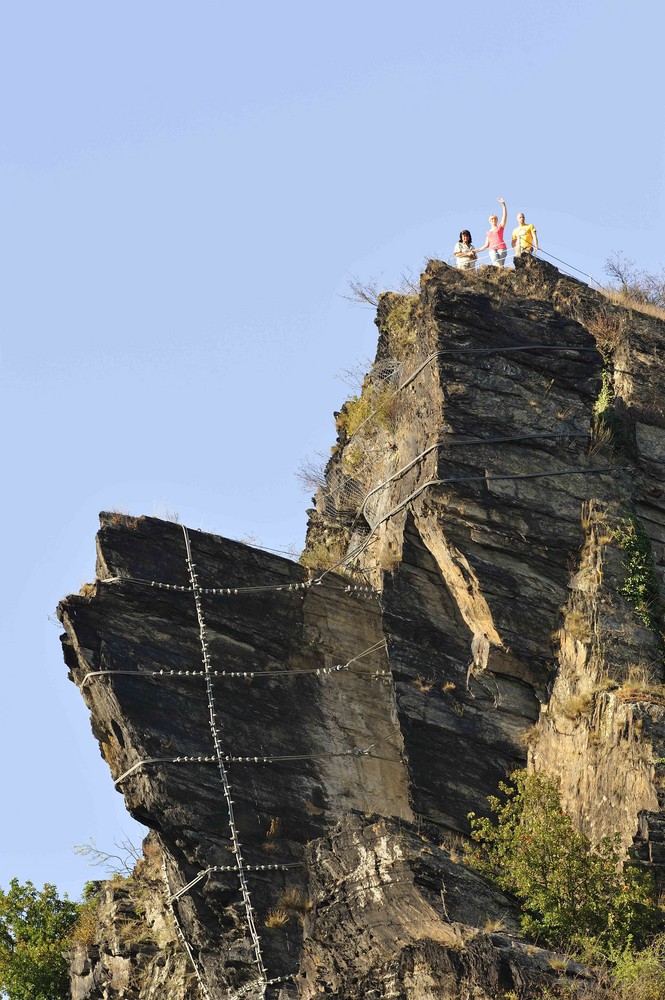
306,744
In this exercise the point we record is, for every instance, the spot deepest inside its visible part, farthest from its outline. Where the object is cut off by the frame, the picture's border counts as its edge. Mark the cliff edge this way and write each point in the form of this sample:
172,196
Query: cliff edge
306,740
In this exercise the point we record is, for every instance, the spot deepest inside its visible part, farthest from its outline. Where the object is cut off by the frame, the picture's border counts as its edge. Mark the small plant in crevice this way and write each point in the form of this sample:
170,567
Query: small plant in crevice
273,833
577,705
295,902
276,918
422,685
640,585
578,624
494,925
85,930
606,428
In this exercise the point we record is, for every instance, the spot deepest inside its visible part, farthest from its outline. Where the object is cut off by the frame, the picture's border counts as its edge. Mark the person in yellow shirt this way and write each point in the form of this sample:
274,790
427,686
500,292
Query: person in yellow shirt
525,237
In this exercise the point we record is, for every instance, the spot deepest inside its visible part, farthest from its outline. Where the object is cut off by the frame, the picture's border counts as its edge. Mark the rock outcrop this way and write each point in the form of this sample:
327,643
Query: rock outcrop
306,740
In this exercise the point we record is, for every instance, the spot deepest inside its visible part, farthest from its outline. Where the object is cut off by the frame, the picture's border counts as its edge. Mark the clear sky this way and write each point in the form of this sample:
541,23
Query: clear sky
185,191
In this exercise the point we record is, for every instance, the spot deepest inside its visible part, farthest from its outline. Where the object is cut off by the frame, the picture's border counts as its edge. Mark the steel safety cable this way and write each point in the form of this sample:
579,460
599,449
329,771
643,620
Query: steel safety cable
250,759
235,840
463,351
461,443
572,267
519,348
251,674
231,591
232,868
257,759
458,479
180,933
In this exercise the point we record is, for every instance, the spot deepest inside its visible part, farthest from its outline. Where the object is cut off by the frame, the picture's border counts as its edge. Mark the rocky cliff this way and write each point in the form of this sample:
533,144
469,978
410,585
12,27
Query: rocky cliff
478,591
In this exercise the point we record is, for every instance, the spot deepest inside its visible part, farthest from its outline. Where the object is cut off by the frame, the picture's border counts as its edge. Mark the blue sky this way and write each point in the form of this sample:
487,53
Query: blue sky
185,191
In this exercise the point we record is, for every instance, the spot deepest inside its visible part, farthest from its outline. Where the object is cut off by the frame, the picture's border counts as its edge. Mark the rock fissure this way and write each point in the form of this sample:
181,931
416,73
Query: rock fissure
495,635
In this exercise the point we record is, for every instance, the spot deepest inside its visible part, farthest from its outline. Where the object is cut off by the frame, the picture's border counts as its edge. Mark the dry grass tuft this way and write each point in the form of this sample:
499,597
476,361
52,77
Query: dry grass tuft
294,901
313,809
421,685
277,918
274,828
577,705
578,625
494,925
120,519
624,300
602,434
273,833
647,695
608,328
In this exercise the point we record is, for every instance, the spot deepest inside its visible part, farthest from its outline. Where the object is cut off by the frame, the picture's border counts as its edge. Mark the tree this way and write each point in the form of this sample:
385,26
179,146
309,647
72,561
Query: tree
34,930
641,286
570,890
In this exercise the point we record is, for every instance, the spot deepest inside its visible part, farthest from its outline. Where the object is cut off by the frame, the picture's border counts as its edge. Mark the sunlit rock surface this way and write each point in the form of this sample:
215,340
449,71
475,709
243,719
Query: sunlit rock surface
306,741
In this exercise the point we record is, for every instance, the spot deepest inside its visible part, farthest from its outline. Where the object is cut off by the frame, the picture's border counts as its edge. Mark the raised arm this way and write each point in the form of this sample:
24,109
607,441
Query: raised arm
504,215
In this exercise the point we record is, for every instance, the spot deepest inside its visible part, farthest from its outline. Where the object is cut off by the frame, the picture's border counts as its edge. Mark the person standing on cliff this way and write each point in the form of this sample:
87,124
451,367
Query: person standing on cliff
465,252
525,237
494,238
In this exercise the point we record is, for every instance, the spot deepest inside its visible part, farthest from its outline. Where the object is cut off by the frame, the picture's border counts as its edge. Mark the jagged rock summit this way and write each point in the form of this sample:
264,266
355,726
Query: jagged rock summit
305,741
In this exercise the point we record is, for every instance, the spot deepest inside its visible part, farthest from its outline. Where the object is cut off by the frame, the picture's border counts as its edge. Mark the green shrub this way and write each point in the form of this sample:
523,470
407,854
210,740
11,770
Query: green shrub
570,891
84,930
402,319
640,586
604,404
641,973
606,426
322,554
376,402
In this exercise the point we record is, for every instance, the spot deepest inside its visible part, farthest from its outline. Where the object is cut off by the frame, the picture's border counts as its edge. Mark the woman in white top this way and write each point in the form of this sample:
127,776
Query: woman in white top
465,251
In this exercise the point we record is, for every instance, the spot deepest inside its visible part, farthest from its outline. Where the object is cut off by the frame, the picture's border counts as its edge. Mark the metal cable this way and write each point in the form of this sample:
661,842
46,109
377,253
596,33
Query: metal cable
180,932
229,759
457,479
447,352
230,591
232,868
244,990
462,443
322,671
235,840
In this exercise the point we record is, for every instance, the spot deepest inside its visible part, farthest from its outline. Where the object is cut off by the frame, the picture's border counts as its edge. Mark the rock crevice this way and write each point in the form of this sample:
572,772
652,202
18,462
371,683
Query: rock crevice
475,622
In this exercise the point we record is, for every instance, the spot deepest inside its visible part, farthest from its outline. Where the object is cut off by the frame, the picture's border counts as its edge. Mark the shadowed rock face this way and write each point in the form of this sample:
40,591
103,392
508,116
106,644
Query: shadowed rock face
475,511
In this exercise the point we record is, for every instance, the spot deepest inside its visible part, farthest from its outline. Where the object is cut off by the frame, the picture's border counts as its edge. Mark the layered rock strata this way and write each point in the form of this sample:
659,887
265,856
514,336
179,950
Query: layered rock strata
307,743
